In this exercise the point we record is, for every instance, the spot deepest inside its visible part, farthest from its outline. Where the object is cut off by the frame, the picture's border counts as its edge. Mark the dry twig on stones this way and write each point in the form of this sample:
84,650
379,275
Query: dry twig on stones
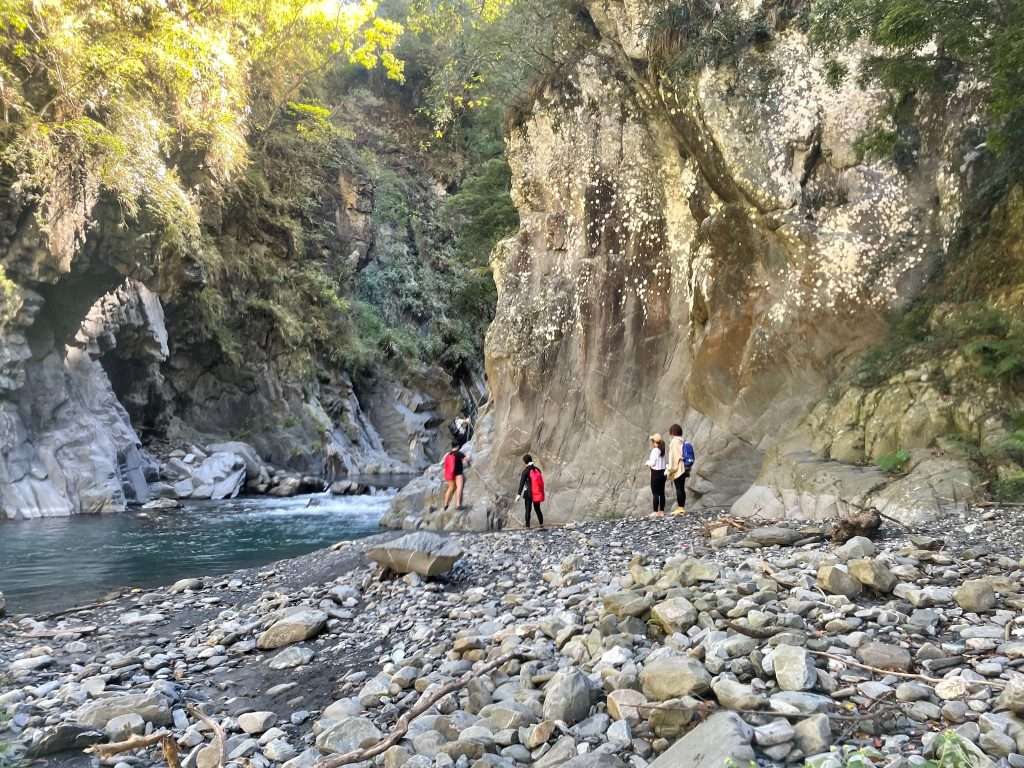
128,745
220,736
425,702
909,675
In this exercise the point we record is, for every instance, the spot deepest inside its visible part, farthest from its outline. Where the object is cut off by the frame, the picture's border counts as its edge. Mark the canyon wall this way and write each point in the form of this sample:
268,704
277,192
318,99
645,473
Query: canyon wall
709,248
113,386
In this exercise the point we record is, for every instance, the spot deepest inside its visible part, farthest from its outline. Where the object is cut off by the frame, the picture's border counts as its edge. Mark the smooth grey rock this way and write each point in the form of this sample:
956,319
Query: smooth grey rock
297,625
289,658
122,727
256,722
595,760
186,584
676,614
856,548
773,733
279,751
872,574
152,708
884,656
975,596
428,554
836,581
813,734
722,739
774,535
671,676
63,738
567,696
1012,697
732,694
794,668
627,603
350,734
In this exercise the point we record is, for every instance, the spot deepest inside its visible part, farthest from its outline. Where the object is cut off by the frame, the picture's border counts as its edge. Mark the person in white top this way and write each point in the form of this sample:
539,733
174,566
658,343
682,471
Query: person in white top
656,461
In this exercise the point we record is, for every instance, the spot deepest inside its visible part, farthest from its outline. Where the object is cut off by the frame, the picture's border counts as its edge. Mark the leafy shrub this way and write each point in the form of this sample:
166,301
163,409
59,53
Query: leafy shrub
992,339
895,462
689,35
1000,358
1009,490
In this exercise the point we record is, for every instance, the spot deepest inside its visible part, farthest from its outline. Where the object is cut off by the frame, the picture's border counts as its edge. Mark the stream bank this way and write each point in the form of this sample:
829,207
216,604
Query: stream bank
633,633
54,563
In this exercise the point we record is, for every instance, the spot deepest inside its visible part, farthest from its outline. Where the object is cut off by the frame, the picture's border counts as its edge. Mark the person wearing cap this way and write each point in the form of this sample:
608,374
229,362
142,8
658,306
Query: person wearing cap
656,462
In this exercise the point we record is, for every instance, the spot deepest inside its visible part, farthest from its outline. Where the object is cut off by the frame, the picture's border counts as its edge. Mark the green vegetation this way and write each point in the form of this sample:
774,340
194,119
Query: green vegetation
118,89
895,462
10,299
7,758
689,35
951,750
488,53
1009,489
218,132
931,47
991,339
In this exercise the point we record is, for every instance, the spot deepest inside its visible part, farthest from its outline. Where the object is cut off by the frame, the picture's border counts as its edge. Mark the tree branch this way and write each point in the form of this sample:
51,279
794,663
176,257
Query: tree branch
425,702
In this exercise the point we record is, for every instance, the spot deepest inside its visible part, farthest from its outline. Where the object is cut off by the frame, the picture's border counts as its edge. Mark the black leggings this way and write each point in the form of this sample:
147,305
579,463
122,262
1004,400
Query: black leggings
658,489
680,484
536,508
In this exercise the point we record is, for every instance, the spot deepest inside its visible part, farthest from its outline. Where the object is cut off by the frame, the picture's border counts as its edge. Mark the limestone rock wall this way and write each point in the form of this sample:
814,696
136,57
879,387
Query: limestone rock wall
705,249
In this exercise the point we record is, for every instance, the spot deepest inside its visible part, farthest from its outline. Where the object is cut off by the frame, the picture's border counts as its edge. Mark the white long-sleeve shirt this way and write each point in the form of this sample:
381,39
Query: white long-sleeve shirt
656,460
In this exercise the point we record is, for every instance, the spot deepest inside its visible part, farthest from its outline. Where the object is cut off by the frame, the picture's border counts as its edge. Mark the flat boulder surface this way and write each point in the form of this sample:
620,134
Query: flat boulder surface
296,626
427,554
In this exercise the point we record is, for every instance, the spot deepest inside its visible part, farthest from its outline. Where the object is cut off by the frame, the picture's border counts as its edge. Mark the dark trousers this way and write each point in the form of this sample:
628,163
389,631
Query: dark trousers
680,484
535,505
658,489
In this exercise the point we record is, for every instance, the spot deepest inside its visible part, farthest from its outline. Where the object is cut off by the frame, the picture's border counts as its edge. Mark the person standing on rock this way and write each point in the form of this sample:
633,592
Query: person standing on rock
656,462
678,470
455,463
531,489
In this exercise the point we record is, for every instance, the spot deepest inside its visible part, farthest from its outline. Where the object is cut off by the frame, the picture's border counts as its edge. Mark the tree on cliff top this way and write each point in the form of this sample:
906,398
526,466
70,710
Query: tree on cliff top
153,102
939,44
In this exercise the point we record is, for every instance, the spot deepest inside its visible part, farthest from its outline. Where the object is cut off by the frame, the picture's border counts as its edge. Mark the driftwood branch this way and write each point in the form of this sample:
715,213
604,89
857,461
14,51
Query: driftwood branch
425,702
909,675
170,750
219,735
128,745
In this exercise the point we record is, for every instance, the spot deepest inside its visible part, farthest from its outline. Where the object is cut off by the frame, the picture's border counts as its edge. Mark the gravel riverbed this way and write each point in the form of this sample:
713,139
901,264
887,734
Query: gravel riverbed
672,641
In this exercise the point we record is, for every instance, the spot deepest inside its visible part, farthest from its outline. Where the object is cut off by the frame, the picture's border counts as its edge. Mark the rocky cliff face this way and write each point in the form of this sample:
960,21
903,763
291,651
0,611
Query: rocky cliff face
710,249
104,363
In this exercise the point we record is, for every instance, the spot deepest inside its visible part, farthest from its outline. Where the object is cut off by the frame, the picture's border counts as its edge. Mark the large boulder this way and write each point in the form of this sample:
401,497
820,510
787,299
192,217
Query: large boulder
150,707
298,625
248,454
220,476
425,553
721,740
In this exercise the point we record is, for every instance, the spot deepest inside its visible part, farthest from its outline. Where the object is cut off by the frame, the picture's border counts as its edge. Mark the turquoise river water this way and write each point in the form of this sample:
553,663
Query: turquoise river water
51,564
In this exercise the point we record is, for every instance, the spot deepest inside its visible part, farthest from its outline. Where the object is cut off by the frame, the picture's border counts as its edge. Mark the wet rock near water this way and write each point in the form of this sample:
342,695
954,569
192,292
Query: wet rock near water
631,642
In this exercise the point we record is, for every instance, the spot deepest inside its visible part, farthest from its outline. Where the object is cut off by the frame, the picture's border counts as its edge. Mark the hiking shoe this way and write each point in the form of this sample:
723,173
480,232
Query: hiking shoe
679,512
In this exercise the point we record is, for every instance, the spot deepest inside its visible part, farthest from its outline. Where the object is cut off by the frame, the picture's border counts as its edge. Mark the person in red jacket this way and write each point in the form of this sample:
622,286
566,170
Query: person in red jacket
455,463
531,489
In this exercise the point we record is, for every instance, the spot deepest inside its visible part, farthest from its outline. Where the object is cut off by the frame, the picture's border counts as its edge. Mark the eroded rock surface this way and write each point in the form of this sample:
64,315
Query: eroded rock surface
710,249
